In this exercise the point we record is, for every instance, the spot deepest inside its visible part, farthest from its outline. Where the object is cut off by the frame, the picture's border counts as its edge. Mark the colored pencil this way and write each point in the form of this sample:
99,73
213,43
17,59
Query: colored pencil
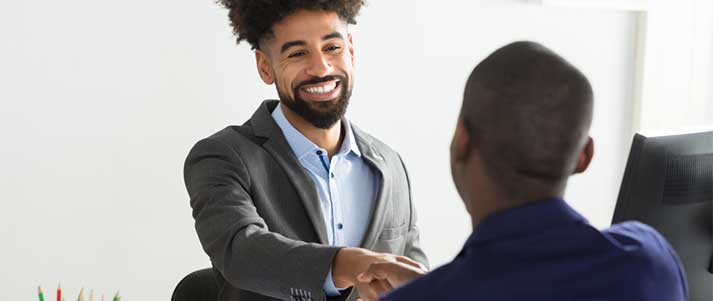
81,295
40,293
59,292
116,297
91,295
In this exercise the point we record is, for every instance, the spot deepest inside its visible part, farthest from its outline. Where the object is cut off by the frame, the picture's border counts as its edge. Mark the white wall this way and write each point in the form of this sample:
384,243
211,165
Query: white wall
100,103
677,65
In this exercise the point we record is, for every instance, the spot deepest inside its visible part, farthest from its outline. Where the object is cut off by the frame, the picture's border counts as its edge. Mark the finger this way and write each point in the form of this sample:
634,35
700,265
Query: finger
378,271
411,262
380,287
366,291
393,272
365,277
387,287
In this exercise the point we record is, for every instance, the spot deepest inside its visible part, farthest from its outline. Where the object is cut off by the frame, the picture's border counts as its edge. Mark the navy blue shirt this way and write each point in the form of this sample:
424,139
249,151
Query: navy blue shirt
547,251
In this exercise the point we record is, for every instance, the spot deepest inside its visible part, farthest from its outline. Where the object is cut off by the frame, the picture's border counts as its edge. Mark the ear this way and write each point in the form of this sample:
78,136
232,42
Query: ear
264,67
585,157
351,46
460,146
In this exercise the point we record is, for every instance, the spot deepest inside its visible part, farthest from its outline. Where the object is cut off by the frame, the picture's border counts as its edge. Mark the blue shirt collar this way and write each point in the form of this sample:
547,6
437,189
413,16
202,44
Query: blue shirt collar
530,218
302,146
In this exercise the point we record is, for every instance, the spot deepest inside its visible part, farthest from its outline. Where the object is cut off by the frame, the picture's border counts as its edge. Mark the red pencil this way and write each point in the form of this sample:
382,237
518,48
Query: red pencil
59,292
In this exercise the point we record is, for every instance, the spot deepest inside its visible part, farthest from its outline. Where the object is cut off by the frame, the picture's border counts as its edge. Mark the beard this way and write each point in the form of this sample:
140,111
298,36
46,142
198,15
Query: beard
323,114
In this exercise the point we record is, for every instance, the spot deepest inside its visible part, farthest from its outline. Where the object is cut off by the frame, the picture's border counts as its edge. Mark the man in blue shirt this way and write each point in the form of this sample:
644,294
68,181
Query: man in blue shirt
297,201
523,130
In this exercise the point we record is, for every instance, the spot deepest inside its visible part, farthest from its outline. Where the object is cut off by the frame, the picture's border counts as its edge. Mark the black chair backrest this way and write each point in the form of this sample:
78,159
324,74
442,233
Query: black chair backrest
200,285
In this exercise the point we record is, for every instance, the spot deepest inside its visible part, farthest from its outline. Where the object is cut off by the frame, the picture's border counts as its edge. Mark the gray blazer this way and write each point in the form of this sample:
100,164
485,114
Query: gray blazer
258,216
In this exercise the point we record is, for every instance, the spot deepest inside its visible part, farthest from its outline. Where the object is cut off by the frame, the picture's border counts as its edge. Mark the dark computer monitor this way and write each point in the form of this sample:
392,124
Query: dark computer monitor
668,184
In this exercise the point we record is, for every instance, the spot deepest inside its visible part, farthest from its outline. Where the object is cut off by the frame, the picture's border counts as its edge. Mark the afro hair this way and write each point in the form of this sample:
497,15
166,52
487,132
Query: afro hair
253,19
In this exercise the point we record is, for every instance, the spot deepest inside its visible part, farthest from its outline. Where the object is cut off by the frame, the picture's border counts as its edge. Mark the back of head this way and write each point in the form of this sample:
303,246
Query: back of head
528,112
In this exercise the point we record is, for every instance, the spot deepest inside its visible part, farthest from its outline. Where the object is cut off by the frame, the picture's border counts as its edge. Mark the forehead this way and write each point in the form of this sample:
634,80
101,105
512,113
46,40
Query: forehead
306,25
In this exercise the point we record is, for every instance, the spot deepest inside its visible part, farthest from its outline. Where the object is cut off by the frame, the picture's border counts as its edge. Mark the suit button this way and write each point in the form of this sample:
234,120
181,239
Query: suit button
340,226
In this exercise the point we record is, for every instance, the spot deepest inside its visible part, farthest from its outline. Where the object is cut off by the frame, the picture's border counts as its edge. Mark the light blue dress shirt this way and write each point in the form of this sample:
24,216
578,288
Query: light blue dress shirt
346,185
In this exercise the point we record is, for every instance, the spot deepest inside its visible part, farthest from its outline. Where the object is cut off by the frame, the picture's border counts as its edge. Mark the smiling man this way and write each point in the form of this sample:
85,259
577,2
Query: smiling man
297,201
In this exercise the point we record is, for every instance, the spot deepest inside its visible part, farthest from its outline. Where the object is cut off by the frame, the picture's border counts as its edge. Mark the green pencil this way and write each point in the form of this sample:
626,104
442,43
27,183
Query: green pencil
40,293
116,297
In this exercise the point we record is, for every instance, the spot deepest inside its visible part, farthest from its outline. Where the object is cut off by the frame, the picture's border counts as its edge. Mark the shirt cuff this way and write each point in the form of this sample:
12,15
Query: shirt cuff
329,286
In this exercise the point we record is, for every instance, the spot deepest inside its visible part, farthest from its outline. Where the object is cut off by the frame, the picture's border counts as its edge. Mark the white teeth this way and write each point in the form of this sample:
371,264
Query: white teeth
322,89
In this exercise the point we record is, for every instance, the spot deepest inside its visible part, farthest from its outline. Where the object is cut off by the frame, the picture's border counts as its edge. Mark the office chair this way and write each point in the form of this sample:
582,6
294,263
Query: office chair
200,285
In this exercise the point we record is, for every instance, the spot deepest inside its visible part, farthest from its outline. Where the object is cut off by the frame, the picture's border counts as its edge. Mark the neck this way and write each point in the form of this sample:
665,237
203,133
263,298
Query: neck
330,139
491,199
488,202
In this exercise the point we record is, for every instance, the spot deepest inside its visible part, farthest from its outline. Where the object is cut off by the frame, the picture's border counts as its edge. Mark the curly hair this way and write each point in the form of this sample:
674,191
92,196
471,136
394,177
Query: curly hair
253,19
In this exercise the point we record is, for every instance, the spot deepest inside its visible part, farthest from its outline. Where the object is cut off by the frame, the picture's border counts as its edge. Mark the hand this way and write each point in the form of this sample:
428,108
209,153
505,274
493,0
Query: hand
350,262
382,277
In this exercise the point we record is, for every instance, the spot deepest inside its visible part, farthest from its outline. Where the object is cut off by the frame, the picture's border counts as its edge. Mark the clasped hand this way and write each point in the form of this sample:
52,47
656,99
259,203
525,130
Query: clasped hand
373,274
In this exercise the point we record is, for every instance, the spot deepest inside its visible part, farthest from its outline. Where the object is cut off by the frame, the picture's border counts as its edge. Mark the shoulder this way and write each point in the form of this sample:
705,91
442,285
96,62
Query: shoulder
232,138
235,135
367,140
233,147
655,253
652,250
634,233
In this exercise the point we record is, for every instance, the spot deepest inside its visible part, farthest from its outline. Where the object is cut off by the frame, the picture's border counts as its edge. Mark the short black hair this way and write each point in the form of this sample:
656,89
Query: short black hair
252,20
528,111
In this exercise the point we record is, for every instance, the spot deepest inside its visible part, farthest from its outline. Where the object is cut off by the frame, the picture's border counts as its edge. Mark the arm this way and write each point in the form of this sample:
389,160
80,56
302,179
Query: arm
236,238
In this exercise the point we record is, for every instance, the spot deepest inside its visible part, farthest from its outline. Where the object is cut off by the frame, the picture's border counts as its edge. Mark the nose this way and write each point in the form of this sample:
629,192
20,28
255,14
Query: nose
319,66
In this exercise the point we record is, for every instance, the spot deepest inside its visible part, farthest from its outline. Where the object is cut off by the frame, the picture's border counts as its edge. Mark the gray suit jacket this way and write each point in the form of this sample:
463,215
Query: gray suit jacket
258,216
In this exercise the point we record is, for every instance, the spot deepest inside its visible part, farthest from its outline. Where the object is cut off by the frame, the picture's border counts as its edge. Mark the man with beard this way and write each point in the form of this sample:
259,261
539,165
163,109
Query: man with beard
298,201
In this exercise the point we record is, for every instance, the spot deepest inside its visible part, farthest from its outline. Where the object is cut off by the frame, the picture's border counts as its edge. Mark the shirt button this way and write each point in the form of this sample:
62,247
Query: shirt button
332,175
319,153
340,226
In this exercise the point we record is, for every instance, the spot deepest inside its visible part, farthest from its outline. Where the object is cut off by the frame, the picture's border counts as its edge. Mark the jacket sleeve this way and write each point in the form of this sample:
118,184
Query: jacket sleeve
236,238
413,248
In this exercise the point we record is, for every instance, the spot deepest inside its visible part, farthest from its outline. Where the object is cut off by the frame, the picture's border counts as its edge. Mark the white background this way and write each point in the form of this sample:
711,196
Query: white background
101,101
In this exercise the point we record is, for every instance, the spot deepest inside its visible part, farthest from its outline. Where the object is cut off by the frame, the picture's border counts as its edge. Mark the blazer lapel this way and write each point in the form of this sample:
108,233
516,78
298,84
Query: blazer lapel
276,144
376,160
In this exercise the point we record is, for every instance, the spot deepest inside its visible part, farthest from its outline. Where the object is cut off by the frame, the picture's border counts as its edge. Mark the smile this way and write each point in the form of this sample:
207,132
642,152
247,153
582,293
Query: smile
324,88
325,91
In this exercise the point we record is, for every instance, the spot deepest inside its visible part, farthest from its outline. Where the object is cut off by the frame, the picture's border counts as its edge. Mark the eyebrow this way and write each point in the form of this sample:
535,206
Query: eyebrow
289,44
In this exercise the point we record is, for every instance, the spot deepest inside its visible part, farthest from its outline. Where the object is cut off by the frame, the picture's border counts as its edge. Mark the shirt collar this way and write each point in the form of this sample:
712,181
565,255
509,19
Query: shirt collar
302,146
531,218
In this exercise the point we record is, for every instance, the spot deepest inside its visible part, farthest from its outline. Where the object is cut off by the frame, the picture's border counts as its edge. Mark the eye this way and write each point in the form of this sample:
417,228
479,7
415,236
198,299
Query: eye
296,54
332,48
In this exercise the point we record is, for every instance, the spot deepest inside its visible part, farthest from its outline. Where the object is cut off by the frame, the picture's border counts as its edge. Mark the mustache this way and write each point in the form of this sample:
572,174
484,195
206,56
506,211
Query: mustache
319,80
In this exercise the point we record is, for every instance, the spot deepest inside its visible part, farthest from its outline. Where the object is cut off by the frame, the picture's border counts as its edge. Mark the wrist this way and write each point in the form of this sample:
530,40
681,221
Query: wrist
340,268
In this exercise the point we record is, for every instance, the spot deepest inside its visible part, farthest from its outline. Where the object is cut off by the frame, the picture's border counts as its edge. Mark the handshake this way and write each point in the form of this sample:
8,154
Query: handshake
373,274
